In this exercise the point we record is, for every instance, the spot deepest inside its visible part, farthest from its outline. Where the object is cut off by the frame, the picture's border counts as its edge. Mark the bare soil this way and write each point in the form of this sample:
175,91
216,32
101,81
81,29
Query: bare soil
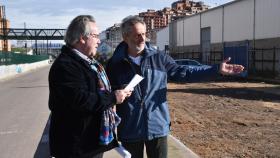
227,119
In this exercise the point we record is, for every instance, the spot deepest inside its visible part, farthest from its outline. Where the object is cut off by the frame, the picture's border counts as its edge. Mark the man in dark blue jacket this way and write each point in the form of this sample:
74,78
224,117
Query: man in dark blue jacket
145,114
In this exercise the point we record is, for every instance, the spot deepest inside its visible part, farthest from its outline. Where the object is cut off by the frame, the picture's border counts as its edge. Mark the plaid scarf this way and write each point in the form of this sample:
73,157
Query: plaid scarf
110,120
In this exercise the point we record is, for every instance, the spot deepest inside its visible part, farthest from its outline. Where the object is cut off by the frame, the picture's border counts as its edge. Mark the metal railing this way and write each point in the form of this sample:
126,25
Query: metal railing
263,62
32,34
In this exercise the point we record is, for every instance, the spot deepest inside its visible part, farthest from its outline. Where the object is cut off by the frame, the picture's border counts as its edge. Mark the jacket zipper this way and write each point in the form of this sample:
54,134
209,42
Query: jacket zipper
138,86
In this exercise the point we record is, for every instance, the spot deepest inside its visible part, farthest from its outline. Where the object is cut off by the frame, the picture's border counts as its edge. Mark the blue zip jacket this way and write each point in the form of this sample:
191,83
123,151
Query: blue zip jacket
145,114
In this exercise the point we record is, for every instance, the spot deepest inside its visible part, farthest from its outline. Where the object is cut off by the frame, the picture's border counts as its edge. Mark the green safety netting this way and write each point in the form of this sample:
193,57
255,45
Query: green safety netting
9,58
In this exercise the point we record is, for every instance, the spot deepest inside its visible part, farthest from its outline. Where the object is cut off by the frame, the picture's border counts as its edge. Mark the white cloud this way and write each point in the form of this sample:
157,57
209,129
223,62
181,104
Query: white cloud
59,13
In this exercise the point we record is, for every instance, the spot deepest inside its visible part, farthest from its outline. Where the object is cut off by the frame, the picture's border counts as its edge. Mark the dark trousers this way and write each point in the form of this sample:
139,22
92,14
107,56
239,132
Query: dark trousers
96,156
155,148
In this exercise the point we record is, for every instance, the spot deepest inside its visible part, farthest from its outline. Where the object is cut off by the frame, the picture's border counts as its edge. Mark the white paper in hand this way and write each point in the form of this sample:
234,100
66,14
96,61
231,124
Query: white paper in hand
135,80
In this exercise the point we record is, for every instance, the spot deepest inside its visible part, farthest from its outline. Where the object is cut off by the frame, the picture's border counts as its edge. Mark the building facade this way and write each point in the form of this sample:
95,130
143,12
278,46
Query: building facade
156,20
255,22
161,18
162,39
112,36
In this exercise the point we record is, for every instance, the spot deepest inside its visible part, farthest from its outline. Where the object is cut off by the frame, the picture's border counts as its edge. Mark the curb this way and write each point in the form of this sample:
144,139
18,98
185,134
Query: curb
190,153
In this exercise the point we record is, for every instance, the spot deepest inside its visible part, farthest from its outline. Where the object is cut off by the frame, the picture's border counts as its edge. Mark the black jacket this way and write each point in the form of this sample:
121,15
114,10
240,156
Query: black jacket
75,108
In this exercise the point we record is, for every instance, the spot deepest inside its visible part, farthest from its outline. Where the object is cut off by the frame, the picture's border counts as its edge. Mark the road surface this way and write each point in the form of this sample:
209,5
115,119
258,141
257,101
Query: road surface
24,114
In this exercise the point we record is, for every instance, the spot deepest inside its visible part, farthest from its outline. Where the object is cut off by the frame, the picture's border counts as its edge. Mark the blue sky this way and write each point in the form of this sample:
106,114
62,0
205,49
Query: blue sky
58,13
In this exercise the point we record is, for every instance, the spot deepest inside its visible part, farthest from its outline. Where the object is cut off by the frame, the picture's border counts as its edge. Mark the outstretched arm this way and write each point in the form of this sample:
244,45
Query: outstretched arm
230,69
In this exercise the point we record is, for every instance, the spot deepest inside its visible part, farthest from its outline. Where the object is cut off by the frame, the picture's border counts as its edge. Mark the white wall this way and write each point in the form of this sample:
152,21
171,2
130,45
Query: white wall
180,38
214,20
239,21
267,19
7,71
192,30
163,38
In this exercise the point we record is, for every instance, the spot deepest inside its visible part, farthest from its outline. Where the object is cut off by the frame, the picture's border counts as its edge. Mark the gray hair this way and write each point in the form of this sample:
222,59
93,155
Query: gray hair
129,22
78,26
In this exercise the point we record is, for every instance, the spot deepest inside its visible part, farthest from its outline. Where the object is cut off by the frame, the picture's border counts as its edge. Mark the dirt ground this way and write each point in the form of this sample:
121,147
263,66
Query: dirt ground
227,119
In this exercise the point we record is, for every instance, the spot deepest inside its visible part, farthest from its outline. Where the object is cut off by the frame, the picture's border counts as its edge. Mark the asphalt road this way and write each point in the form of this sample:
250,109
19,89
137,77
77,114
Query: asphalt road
24,114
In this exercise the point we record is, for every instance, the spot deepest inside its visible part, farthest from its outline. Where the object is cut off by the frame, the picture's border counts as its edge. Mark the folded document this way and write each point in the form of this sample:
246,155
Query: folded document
135,80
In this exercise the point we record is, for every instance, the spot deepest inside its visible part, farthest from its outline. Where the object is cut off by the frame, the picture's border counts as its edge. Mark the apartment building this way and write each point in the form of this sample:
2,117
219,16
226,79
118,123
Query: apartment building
156,20
161,18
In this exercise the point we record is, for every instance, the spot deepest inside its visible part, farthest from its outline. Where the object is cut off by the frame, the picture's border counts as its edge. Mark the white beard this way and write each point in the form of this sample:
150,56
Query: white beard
139,49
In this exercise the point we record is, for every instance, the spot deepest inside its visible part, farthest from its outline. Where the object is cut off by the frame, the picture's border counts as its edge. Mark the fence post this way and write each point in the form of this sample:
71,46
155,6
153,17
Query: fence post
253,60
262,61
274,60
6,58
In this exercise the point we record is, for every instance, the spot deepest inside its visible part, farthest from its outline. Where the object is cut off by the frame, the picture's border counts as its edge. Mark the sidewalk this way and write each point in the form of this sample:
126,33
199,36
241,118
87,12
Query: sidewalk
175,150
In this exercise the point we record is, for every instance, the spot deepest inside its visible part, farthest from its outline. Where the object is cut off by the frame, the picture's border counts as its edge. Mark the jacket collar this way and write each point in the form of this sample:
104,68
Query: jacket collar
69,51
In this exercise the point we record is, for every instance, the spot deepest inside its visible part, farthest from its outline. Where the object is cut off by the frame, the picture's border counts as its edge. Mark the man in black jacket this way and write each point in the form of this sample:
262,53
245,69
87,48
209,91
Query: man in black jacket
80,97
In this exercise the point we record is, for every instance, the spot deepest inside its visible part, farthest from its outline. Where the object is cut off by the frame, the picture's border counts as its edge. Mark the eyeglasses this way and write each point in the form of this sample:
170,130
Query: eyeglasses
94,35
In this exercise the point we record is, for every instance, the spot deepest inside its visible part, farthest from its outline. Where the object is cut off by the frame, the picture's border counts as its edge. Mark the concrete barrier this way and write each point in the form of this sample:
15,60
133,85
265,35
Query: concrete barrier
7,71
